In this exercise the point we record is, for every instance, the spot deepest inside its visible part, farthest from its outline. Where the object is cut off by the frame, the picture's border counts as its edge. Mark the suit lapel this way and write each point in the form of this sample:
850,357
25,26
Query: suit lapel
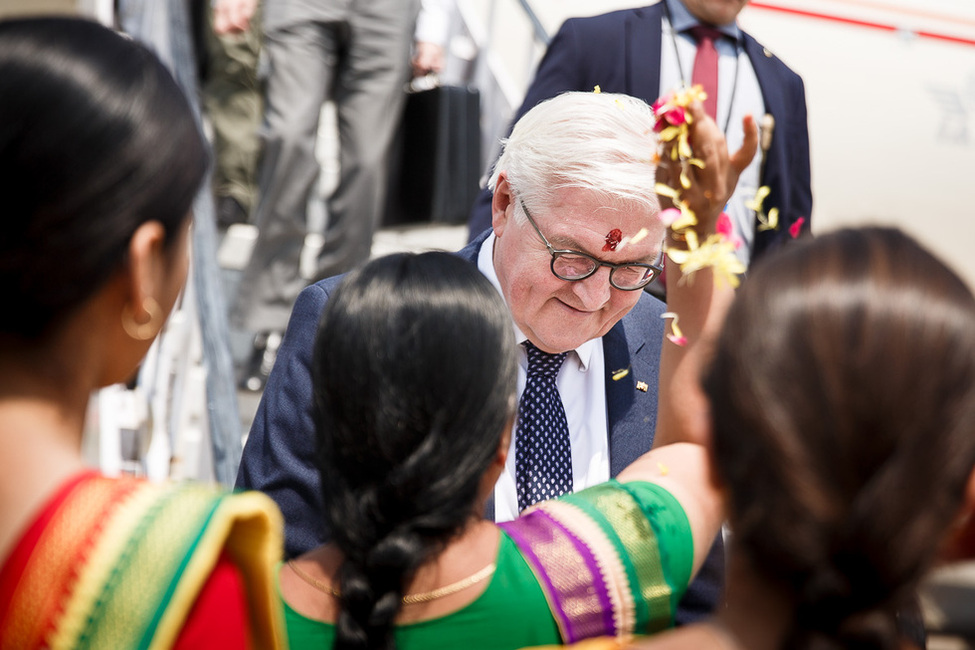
767,72
620,394
764,65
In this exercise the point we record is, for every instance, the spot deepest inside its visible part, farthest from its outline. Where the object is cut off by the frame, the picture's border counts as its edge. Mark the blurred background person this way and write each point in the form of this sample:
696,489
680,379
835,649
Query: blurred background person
359,55
100,159
231,92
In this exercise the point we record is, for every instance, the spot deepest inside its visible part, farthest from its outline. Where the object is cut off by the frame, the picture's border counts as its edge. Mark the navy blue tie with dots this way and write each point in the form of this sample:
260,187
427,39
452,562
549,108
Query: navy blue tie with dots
543,458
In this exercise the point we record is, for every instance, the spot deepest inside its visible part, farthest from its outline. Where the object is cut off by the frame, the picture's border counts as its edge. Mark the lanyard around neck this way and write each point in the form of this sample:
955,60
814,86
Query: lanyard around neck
680,67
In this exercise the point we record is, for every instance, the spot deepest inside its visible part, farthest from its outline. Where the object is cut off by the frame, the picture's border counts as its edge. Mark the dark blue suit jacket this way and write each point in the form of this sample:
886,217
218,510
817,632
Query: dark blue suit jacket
279,457
620,52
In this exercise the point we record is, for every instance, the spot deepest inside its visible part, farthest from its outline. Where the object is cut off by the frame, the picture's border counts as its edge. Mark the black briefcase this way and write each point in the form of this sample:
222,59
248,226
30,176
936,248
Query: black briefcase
435,166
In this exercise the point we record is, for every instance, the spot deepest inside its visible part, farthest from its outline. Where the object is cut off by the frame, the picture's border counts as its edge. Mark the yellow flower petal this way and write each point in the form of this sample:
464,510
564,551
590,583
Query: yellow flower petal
673,323
640,235
677,255
668,133
665,190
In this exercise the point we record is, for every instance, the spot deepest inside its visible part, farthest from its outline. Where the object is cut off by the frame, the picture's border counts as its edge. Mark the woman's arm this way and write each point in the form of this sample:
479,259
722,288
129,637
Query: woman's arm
699,301
679,463
684,470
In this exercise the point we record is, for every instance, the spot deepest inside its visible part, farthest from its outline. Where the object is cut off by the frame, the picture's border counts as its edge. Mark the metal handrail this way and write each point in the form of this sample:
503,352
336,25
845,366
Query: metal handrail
502,85
540,33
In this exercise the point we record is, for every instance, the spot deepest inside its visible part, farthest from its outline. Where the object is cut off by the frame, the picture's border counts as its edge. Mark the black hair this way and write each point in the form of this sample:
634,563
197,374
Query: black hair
414,381
96,139
843,405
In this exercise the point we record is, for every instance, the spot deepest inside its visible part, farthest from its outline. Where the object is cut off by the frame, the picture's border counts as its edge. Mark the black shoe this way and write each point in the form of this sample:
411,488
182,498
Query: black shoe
259,365
229,212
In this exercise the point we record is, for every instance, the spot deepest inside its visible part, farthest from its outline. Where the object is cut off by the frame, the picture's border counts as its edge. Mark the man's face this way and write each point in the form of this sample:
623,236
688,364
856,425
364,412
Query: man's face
557,315
715,12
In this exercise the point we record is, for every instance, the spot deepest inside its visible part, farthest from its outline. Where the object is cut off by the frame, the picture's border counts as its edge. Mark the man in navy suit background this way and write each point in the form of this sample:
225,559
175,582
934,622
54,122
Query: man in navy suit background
573,197
648,52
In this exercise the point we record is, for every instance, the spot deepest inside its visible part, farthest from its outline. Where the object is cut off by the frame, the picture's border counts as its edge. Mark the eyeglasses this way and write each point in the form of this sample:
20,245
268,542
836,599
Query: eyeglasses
575,265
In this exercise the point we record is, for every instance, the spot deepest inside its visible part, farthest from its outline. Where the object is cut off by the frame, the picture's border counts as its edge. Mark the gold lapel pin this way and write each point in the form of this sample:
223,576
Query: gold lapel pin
642,386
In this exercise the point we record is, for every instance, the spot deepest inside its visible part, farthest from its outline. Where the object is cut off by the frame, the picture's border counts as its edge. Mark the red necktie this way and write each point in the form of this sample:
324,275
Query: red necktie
706,65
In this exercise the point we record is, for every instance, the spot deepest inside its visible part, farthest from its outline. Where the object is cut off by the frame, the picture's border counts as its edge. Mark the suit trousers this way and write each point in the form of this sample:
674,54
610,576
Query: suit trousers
361,63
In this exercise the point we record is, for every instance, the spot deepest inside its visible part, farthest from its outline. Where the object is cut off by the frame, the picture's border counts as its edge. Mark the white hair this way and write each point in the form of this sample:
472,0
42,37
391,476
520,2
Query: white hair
598,142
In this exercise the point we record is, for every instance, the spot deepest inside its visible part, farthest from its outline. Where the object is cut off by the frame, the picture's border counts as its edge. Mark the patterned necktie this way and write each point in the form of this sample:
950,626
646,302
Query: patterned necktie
543,458
706,65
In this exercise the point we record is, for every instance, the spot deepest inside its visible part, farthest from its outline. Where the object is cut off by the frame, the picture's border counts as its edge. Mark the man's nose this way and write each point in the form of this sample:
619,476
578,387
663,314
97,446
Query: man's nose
594,292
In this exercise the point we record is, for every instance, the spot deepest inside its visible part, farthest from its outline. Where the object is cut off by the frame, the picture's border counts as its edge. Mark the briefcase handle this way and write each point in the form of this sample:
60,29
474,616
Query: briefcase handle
426,82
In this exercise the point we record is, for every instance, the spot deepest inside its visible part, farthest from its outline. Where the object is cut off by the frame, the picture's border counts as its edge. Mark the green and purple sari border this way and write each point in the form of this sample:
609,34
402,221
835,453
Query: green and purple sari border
536,530
646,618
587,548
677,563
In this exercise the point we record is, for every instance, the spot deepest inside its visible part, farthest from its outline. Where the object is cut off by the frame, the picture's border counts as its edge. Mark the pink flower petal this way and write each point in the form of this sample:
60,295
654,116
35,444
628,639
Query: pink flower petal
669,216
676,116
661,101
796,228
724,227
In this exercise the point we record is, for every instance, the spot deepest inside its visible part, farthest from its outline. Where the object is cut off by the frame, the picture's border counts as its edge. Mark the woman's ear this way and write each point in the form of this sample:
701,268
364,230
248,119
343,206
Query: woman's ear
143,278
147,260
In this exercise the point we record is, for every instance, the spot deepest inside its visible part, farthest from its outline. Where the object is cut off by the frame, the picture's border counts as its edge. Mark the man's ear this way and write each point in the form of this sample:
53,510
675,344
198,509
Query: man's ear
502,204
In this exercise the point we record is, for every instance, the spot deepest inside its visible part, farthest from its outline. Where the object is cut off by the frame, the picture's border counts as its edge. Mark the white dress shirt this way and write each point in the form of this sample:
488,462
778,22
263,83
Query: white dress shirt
582,385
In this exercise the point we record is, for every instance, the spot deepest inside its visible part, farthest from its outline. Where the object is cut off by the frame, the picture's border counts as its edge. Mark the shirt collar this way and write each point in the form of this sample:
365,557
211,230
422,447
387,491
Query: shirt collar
681,20
485,264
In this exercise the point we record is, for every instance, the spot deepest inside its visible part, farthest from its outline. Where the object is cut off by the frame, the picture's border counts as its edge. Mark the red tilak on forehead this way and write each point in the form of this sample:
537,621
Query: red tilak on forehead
613,239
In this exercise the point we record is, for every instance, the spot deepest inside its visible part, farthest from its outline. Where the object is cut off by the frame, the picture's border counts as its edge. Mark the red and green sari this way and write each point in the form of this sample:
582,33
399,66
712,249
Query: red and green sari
123,563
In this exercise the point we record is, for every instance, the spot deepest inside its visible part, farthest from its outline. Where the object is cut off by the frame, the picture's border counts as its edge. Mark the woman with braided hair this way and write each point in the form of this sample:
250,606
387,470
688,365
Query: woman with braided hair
415,383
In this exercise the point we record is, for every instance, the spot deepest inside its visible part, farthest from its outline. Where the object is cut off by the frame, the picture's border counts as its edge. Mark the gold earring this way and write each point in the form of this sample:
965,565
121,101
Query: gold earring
143,331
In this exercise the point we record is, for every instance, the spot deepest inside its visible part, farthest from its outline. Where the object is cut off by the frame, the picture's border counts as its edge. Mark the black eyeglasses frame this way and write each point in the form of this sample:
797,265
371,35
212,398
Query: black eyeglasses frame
556,253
